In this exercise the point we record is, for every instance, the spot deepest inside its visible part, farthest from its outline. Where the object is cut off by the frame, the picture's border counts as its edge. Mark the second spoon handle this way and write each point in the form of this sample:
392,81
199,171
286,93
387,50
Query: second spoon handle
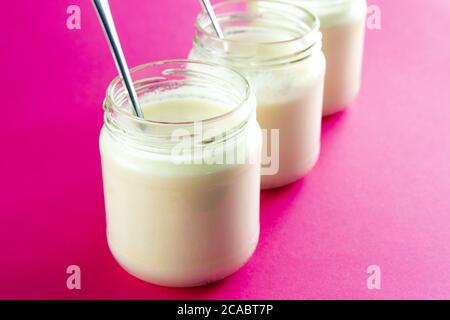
106,19
208,8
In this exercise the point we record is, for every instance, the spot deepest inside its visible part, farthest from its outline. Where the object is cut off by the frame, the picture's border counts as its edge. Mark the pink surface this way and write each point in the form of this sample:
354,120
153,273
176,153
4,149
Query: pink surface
380,193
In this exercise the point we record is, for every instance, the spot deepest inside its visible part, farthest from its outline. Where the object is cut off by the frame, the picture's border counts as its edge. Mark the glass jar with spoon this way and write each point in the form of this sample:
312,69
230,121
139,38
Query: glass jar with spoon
277,46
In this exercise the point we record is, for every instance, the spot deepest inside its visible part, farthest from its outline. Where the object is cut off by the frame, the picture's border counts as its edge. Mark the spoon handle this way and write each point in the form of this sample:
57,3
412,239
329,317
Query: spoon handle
106,19
208,8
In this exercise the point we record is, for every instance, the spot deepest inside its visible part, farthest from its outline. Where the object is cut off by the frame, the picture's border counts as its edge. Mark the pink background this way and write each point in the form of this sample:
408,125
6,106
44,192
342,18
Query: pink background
380,193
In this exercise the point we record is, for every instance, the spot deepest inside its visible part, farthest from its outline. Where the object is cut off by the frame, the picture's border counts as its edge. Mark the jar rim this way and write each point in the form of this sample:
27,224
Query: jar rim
211,35
111,100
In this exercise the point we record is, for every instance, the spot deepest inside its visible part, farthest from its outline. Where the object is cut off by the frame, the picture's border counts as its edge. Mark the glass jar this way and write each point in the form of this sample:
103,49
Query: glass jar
277,46
182,197
343,24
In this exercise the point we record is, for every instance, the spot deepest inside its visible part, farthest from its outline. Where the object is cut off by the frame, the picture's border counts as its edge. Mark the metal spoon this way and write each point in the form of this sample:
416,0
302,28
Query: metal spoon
106,20
208,8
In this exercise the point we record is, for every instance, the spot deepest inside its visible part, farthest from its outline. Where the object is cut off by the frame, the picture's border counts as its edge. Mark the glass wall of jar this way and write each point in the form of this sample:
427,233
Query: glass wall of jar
343,24
277,46
182,185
